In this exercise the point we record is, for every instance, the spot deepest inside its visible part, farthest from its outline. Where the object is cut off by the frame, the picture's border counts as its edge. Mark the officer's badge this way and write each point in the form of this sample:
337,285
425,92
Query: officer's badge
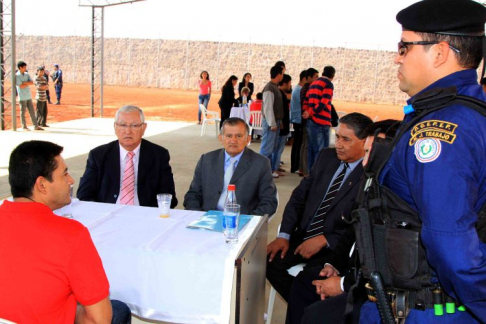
438,129
427,149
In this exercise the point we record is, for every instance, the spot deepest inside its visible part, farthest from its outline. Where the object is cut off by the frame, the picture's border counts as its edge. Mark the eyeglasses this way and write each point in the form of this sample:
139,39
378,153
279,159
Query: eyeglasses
132,127
403,46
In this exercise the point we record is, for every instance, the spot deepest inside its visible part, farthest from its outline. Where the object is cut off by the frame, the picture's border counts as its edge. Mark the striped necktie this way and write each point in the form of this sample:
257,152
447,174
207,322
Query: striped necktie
227,178
317,225
128,184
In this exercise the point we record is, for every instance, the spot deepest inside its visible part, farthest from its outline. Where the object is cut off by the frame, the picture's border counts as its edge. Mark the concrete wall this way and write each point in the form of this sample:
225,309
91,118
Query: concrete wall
362,75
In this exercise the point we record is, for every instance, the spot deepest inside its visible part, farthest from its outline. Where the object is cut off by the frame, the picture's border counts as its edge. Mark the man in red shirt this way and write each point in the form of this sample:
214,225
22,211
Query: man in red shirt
318,114
50,270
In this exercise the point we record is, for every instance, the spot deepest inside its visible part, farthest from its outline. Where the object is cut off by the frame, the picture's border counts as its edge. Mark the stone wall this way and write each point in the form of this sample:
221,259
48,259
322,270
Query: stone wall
362,75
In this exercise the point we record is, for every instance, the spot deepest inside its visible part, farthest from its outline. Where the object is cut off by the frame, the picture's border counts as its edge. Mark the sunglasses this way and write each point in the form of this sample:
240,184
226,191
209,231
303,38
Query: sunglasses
403,46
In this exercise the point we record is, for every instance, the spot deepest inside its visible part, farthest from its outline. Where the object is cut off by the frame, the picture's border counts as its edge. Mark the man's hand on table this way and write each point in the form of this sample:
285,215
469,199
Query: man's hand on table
279,244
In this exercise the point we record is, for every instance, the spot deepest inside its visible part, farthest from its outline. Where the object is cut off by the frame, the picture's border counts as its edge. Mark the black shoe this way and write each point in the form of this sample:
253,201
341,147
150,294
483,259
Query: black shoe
50,103
45,125
57,103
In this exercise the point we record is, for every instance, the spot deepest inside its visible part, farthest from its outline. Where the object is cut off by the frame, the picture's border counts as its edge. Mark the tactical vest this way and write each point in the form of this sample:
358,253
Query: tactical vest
387,228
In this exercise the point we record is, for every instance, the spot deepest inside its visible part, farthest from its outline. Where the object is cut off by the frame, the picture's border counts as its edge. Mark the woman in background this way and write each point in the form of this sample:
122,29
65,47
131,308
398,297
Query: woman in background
227,98
246,83
204,93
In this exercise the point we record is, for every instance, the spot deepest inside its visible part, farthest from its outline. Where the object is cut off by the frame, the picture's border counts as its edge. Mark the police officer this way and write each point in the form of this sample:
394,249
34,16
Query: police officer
57,79
438,166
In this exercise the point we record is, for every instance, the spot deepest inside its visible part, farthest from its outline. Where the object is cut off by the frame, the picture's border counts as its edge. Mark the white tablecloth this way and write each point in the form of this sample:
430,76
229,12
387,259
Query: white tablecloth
161,269
241,112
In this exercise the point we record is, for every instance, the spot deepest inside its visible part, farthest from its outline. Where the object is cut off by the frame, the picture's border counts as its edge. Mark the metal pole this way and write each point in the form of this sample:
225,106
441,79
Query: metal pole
2,73
12,71
92,59
102,58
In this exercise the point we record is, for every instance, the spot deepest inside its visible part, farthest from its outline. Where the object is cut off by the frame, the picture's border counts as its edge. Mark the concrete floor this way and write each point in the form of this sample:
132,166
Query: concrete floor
183,141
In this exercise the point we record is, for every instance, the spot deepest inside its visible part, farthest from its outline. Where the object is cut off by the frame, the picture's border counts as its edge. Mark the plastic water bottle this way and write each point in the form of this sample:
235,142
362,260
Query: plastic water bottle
230,200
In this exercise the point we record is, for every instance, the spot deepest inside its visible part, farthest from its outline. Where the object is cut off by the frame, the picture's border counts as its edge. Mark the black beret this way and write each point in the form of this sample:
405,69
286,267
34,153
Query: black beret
449,17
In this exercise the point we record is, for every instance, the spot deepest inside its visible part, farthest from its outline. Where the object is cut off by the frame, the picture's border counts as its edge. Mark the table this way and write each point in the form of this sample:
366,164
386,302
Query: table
166,272
241,112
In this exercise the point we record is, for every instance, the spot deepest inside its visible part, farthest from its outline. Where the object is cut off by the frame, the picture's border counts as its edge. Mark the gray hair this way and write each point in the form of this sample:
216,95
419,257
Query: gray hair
127,109
233,121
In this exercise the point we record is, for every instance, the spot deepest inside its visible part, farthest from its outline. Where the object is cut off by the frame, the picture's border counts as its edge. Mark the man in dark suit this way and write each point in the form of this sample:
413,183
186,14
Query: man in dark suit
251,174
312,223
129,171
323,291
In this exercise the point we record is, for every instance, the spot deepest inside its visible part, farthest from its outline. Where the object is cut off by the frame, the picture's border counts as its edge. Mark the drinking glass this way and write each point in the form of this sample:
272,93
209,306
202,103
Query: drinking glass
231,215
67,210
163,200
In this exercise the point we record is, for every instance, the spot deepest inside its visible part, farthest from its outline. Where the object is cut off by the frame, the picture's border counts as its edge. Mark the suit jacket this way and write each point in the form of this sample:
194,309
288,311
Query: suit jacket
101,179
306,198
255,190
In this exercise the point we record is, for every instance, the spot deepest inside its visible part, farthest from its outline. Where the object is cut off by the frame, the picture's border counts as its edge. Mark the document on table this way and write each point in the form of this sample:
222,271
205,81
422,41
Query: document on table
213,221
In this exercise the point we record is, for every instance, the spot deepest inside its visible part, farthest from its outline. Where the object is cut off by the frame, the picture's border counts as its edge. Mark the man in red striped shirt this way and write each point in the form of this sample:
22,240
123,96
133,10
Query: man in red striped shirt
318,114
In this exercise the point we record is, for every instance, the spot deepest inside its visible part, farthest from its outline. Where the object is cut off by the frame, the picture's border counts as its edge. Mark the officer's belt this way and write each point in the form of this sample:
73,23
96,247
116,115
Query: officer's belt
421,300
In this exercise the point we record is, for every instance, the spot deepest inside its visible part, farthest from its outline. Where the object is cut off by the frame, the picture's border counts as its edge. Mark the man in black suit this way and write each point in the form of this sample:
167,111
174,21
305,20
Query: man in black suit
105,179
251,174
323,291
312,223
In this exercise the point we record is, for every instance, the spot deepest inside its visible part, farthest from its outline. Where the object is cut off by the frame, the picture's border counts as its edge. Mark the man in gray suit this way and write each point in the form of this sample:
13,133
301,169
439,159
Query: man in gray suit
252,175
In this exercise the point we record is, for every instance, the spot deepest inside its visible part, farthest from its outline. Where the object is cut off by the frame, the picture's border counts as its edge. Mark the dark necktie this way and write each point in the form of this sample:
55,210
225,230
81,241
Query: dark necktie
317,225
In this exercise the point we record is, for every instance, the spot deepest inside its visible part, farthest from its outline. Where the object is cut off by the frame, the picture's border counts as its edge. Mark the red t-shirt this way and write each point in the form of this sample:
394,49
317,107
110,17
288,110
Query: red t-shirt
47,264
204,89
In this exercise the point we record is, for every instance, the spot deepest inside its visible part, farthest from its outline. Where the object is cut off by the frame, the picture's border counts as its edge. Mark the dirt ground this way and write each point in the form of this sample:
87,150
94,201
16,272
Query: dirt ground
161,104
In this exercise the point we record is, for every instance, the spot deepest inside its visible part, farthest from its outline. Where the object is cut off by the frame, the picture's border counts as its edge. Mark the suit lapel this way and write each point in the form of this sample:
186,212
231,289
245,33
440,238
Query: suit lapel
113,163
350,182
144,166
218,169
242,167
323,183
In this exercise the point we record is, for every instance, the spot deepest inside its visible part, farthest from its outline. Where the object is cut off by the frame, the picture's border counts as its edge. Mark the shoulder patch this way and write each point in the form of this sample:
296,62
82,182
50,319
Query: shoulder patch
438,129
427,149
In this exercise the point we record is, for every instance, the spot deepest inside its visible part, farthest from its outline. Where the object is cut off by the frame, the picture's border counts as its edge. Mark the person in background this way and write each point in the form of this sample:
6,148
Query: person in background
227,100
204,93
48,94
272,114
57,78
312,75
234,164
318,114
284,86
483,84
41,104
51,271
243,99
23,81
282,65
256,105
245,82
296,120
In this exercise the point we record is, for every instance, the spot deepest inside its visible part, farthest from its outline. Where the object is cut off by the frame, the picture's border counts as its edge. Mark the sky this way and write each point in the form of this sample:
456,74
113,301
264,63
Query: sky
351,23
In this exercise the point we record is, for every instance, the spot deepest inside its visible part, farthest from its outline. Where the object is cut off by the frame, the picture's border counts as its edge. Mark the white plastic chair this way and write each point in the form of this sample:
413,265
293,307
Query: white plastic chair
4,321
294,271
214,118
256,121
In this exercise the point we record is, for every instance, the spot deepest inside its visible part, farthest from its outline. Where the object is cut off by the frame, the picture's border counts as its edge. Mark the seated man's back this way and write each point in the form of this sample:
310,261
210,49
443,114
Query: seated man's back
48,264
50,271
